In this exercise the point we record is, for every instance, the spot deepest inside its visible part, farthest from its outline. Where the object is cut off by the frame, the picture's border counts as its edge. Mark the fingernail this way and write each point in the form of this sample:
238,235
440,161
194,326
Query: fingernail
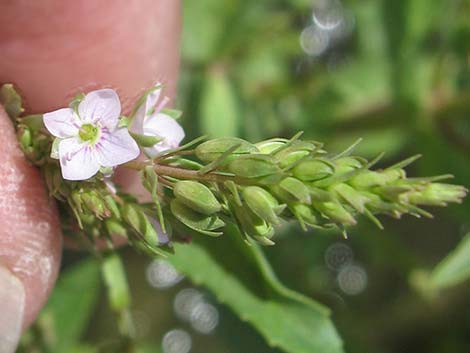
12,298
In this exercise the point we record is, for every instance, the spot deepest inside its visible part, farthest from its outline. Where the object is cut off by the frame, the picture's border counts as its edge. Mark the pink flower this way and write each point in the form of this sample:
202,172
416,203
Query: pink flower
151,120
90,138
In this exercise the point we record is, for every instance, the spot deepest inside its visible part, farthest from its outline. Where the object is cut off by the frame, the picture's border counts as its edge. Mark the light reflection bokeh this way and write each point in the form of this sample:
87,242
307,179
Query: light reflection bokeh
177,341
161,274
352,279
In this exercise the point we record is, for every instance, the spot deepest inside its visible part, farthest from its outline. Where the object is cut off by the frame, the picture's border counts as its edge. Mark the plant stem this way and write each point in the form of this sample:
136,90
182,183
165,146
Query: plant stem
185,174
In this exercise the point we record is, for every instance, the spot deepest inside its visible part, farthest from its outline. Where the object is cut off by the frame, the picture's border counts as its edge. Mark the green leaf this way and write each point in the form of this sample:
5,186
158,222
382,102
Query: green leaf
208,19
240,277
218,110
83,349
148,348
116,282
455,268
70,306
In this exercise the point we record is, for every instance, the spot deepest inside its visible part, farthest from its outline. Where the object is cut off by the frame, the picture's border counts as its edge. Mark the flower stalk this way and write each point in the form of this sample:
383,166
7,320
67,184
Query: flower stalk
200,187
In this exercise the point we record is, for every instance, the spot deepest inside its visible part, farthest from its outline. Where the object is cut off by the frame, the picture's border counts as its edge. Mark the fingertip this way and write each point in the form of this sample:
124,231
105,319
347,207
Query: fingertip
30,237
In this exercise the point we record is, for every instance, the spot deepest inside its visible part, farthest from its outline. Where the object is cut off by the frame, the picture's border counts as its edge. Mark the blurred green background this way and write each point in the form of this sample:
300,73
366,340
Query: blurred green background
397,74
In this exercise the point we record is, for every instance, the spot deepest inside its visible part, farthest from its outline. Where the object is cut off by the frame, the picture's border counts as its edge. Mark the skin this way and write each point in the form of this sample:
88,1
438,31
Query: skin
52,50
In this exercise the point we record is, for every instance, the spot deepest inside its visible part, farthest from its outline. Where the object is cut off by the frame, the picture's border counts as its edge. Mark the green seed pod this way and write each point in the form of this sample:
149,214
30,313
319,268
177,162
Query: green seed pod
336,212
112,206
347,164
293,190
369,178
253,226
213,149
138,220
254,166
262,203
351,196
292,154
196,196
115,227
305,213
195,220
437,194
377,205
313,170
269,146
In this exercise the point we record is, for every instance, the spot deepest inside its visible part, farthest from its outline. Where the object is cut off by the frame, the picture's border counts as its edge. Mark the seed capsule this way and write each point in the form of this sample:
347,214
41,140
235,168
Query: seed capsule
292,154
213,149
336,212
254,166
347,164
196,196
269,146
253,226
304,213
196,220
313,170
262,203
293,190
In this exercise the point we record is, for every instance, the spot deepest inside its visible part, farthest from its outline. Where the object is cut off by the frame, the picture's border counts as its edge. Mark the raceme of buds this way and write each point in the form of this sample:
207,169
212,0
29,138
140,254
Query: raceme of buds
202,185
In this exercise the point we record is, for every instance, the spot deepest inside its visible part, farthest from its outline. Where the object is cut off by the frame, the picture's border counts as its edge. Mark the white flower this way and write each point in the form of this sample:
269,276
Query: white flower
150,120
90,138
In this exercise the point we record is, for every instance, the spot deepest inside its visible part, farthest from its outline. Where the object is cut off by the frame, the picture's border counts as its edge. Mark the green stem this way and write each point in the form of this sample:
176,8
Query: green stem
185,174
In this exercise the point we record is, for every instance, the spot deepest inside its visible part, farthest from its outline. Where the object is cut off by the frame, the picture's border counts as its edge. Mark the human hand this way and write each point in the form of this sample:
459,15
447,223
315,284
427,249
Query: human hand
52,50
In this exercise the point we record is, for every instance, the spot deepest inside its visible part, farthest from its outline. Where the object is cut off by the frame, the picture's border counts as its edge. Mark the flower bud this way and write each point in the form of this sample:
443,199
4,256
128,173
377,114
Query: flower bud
313,170
254,166
336,212
95,204
213,149
262,203
196,196
293,190
436,194
25,137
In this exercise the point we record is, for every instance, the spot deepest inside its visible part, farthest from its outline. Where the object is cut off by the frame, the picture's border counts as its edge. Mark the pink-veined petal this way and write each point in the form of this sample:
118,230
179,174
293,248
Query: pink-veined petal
116,148
62,123
137,124
165,127
77,159
102,106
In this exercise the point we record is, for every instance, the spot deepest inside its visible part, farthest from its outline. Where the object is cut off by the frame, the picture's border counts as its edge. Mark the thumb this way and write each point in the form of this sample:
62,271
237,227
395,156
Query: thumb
52,50
30,243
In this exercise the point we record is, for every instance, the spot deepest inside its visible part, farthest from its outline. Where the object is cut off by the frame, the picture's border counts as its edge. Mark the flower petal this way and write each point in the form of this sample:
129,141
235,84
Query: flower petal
164,126
116,148
137,124
102,106
62,123
77,159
